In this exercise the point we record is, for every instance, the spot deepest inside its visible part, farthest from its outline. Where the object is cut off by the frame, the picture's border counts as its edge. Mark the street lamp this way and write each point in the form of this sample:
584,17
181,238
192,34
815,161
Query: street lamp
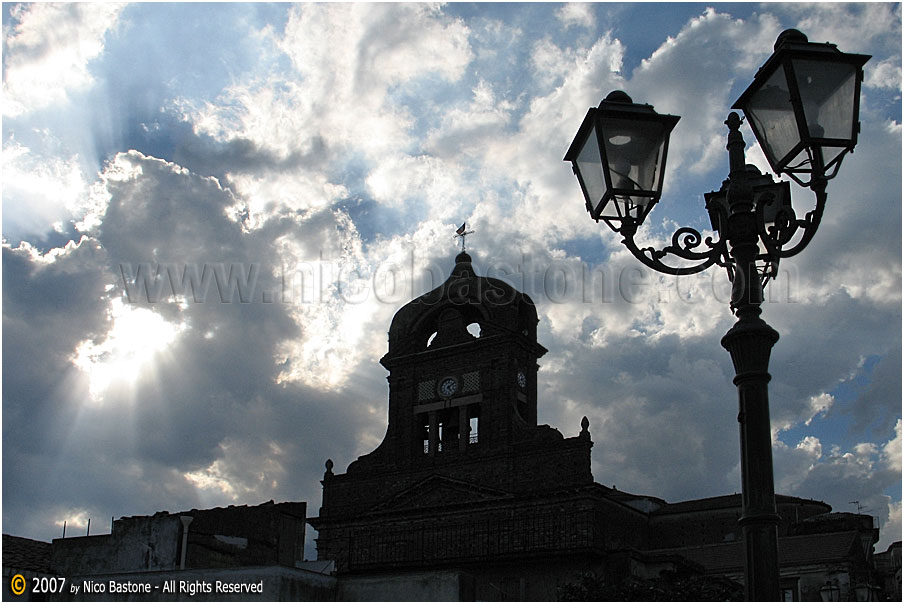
803,107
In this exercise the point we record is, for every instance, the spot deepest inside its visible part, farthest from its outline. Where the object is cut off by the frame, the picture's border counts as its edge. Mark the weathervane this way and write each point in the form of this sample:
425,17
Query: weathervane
462,232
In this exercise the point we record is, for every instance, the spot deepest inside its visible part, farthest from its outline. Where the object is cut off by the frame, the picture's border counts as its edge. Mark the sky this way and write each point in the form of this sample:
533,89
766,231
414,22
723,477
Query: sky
211,213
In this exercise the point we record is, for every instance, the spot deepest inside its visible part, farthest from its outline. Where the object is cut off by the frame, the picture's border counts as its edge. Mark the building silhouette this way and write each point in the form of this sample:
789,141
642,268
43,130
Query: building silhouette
466,482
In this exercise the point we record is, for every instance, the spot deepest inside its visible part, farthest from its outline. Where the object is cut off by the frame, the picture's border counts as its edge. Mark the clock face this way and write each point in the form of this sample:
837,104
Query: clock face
448,386
522,379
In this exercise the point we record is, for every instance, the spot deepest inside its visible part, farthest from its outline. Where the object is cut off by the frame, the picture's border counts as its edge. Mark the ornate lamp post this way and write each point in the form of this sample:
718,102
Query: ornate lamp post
803,107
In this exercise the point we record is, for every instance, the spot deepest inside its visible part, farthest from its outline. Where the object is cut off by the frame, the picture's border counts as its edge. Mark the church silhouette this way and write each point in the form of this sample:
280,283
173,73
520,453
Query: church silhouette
466,482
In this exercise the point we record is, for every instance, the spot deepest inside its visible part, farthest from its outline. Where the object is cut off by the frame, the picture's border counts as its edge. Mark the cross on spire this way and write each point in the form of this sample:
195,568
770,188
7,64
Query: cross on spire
462,232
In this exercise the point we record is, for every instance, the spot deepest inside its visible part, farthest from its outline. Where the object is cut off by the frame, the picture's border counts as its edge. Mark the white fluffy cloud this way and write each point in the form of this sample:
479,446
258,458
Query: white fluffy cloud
346,70
38,192
576,14
47,50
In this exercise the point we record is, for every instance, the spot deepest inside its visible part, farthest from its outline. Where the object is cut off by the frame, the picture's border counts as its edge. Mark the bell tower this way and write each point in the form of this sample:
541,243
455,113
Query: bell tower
462,367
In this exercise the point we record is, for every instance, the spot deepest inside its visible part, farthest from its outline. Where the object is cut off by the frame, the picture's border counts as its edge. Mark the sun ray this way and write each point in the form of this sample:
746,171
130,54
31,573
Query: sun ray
135,337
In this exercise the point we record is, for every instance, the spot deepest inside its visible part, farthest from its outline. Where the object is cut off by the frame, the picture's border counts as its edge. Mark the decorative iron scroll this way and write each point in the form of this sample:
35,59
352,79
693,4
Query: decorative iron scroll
787,224
685,242
689,245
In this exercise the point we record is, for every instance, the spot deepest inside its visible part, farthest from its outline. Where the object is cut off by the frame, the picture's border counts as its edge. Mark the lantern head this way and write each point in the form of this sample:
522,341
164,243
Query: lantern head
619,158
804,105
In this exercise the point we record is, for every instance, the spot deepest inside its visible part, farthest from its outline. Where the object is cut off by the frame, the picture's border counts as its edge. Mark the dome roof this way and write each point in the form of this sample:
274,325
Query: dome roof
464,298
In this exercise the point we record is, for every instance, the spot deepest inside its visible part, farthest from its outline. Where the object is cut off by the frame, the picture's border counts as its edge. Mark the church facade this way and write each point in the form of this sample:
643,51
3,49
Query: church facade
466,483
465,476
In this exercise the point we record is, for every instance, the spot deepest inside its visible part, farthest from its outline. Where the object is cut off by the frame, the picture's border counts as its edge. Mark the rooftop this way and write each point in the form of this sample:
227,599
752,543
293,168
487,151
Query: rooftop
728,501
806,549
21,553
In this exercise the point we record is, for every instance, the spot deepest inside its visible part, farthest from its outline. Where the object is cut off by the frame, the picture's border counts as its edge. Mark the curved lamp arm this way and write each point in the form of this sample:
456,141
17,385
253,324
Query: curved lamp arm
688,243
685,242
787,224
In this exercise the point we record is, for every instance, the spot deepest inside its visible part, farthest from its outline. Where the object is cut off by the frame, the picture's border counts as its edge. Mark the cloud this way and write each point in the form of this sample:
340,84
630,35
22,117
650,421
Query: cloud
549,123
547,59
465,131
891,452
344,117
349,66
891,530
39,192
168,423
47,50
713,47
133,339
885,74
843,478
851,27
576,14
819,404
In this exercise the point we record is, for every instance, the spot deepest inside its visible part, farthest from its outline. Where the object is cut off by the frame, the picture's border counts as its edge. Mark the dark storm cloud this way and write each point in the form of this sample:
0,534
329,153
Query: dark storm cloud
167,136
211,395
845,331
645,404
875,406
845,290
47,309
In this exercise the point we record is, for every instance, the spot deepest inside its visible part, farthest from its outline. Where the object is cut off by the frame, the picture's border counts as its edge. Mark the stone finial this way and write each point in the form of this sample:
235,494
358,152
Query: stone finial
329,467
585,424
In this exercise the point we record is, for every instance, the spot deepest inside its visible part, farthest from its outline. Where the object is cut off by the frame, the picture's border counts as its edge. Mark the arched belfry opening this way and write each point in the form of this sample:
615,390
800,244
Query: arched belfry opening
451,328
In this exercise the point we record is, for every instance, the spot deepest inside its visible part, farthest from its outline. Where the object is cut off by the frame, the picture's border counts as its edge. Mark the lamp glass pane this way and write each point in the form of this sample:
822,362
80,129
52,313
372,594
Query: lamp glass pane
634,151
590,166
827,91
772,114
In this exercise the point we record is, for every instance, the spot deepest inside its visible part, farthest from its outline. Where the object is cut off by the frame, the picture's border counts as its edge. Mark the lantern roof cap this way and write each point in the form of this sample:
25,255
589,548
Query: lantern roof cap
790,36
618,101
789,43
619,105
618,96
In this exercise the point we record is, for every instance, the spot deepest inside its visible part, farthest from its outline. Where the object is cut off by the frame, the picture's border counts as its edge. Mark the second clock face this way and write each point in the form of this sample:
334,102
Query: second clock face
448,387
